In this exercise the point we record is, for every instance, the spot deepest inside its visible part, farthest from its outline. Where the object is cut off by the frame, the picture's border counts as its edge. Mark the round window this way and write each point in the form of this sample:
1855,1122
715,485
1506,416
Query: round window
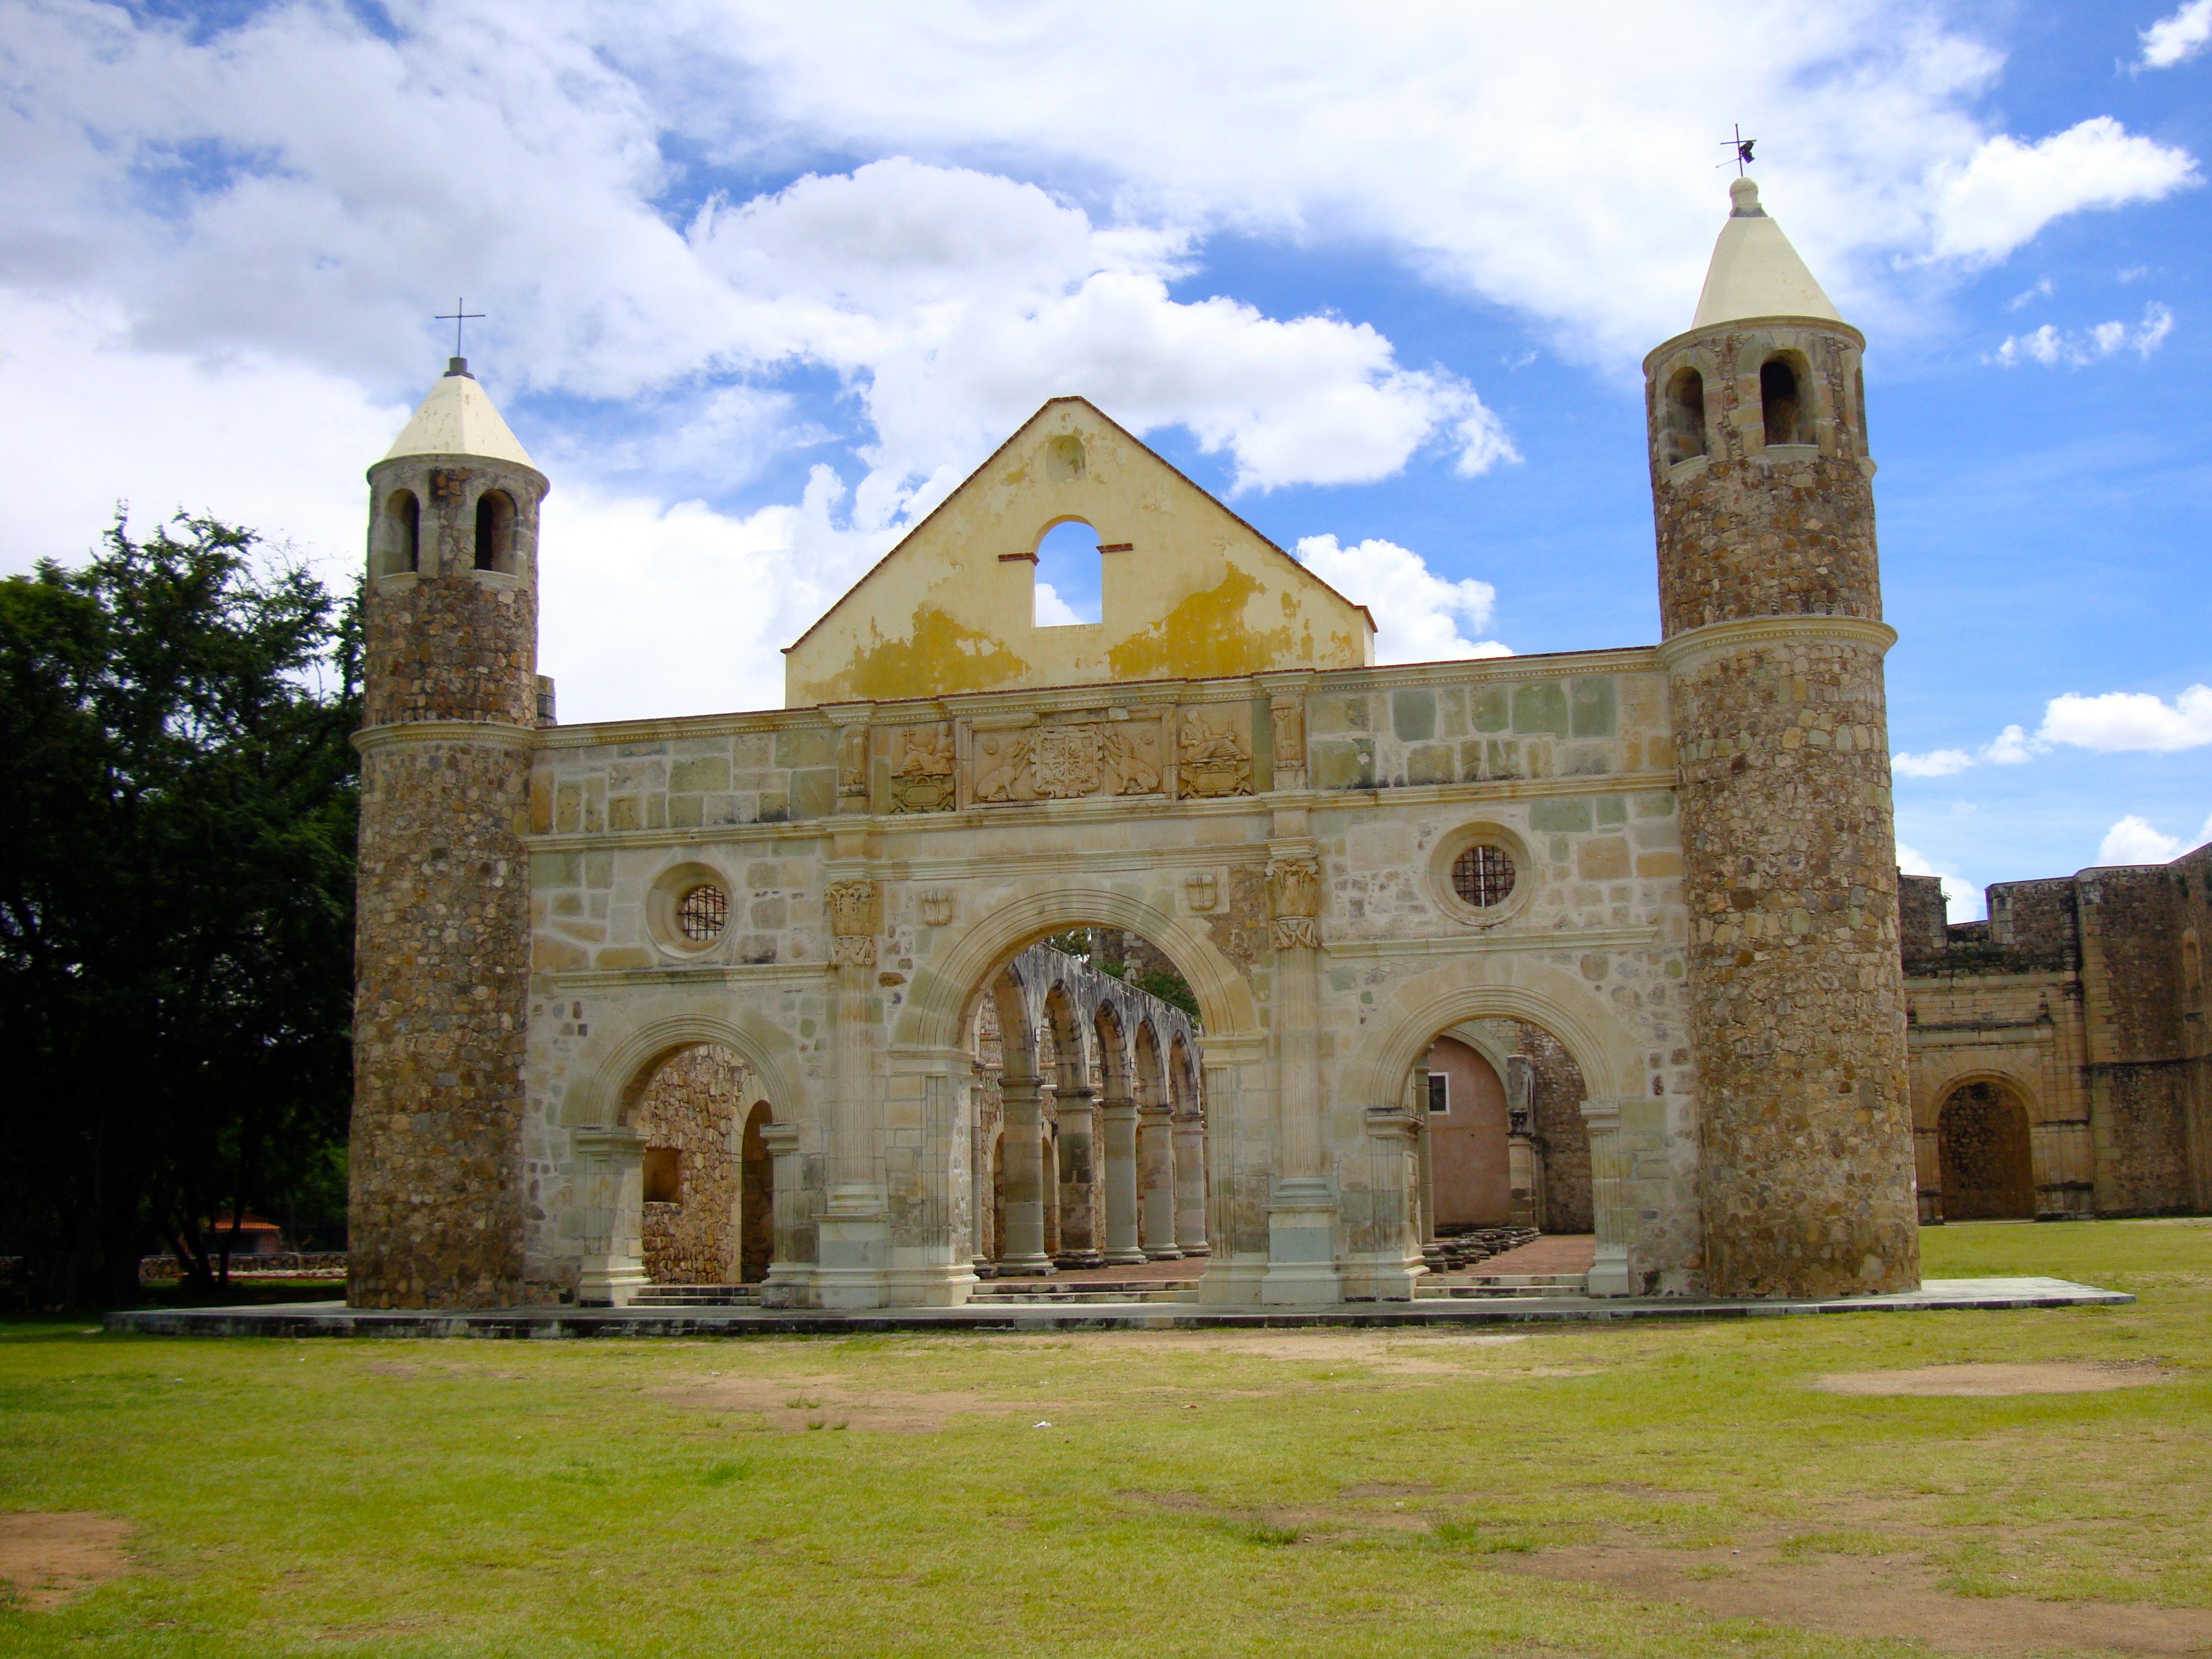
1482,875
703,913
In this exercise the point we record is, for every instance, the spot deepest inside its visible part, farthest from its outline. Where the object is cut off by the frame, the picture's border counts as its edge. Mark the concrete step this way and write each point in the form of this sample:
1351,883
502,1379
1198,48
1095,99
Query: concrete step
1507,1284
1033,1293
697,1296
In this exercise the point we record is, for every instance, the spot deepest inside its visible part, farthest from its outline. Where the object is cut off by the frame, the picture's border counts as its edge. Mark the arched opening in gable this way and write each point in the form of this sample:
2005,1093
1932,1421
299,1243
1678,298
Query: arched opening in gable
1070,576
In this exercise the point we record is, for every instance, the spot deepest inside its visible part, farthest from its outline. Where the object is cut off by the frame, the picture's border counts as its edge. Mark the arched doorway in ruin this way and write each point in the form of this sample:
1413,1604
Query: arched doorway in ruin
1501,1105
706,1194
1985,1153
1087,1109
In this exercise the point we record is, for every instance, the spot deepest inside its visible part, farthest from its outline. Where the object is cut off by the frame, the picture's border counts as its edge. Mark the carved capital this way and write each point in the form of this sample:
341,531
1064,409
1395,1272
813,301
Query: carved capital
854,952
852,905
1295,933
1293,887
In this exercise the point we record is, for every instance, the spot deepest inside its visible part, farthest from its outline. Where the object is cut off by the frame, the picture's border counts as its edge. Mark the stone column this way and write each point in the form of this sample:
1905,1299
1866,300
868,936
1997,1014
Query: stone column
1301,1209
1928,1159
1117,1121
1156,1195
1021,1153
1077,1173
1392,1245
1524,1167
1609,1273
852,1244
789,1283
610,1191
1190,1185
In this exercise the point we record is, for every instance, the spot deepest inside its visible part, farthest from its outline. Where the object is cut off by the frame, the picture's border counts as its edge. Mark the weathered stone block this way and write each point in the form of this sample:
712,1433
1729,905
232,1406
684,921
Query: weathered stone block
1413,714
699,777
1541,709
1571,815
1430,763
1342,765
806,747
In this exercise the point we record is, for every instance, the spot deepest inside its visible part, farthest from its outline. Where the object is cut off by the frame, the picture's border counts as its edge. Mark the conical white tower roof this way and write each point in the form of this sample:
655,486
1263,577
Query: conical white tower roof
458,418
1755,272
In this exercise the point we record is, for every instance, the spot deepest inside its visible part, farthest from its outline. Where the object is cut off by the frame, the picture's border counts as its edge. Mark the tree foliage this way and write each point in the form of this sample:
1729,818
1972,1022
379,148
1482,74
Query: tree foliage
178,808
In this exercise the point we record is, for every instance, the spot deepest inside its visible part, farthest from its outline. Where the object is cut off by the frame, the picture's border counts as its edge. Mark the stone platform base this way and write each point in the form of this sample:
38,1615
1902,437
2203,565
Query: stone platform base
335,1319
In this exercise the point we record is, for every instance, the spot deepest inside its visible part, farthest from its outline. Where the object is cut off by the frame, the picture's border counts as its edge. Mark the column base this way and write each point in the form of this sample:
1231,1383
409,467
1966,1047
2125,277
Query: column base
1195,1249
1301,1268
788,1284
612,1282
1077,1261
1609,1275
1126,1259
852,1250
1169,1254
1025,1266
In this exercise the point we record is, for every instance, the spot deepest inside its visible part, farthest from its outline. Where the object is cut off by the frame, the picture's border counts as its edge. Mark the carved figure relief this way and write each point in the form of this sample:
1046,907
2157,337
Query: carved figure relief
1293,903
1213,759
853,762
1133,756
852,906
1001,766
1289,716
921,768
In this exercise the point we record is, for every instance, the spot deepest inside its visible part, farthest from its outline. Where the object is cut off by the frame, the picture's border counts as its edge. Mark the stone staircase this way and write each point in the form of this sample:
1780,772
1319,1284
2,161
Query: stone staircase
1460,1285
1044,1292
697,1296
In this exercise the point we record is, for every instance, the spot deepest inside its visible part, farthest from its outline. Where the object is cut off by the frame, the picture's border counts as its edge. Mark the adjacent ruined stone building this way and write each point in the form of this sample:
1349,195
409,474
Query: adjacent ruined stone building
1649,889
2060,1062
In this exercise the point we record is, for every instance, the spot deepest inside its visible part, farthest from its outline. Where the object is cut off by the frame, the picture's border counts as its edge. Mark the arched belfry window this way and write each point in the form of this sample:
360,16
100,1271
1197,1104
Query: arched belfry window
495,531
1686,415
399,544
1782,397
1070,587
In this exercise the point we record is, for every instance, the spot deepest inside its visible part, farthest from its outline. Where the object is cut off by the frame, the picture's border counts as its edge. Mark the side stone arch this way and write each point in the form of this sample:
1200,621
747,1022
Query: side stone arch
1606,1051
608,1072
945,983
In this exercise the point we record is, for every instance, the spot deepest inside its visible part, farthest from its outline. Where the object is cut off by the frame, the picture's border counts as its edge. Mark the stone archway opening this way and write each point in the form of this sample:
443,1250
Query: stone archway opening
1984,1152
1087,1112
1504,1147
691,1114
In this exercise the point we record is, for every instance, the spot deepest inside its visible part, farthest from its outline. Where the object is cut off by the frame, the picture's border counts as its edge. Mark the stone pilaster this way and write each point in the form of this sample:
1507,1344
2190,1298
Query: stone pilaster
1302,1210
790,1277
852,1234
611,1173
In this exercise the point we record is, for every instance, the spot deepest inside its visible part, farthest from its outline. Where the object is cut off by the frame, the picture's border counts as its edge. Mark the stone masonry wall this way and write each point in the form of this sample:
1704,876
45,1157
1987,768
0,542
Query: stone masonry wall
441,961
695,1104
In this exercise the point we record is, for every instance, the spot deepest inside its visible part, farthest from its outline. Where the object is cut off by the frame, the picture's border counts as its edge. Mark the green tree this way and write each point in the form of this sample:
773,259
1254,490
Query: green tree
178,804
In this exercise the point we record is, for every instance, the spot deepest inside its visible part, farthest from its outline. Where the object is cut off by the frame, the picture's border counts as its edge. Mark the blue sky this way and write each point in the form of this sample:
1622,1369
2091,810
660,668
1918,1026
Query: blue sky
764,282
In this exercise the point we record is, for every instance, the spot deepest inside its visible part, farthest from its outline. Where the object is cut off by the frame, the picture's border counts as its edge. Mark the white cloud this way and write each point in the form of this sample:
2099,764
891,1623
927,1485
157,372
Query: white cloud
2133,840
646,608
2011,747
2003,195
1936,763
2042,290
1052,611
2131,721
2050,347
1962,900
1418,614
2172,40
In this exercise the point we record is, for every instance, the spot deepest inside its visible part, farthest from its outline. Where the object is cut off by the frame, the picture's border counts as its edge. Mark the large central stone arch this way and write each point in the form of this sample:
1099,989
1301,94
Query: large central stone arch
944,983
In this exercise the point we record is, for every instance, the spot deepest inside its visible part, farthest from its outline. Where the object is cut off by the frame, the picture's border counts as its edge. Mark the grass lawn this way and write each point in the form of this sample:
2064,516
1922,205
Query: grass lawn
1658,1489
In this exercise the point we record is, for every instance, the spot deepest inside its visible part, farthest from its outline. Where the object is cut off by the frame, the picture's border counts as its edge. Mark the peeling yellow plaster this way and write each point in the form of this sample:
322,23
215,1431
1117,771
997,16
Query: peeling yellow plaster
1190,590
939,652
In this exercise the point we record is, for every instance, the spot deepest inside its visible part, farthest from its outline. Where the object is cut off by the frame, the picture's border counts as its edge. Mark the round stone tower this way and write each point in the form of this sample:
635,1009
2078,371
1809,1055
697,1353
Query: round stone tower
1769,600
442,938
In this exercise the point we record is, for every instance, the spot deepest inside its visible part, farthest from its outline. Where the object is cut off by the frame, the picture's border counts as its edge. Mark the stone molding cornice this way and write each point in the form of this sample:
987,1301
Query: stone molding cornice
722,974
497,733
1122,809
1530,940
1748,325
1699,643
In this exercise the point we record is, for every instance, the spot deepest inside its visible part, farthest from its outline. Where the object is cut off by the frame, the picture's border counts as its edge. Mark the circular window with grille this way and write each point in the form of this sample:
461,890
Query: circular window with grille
703,913
1482,875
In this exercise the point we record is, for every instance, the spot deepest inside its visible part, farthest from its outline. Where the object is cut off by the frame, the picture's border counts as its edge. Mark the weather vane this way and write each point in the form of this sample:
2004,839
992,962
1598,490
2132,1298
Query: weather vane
456,316
1741,146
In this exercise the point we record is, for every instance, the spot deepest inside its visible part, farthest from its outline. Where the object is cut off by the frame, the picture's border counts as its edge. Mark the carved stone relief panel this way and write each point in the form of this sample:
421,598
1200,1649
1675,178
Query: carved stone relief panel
1213,755
922,772
1024,757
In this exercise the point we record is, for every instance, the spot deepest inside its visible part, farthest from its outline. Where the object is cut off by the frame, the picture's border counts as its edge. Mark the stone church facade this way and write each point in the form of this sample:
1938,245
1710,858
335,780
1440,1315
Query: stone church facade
1674,862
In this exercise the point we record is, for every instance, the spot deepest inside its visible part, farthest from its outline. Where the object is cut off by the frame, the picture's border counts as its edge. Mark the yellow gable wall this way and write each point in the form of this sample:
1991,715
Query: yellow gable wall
1197,593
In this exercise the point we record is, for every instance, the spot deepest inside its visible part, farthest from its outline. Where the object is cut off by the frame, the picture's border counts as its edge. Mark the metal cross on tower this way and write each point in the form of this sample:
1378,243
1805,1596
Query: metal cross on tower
1741,146
456,316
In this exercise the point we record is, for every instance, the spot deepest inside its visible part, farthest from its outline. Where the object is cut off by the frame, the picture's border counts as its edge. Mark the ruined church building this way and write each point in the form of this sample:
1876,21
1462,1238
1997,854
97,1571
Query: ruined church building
763,998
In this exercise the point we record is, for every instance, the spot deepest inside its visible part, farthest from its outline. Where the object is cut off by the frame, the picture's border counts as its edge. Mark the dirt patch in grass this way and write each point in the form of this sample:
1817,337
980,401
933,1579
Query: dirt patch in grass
1973,1381
1865,1595
795,1404
50,1556
1288,1523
